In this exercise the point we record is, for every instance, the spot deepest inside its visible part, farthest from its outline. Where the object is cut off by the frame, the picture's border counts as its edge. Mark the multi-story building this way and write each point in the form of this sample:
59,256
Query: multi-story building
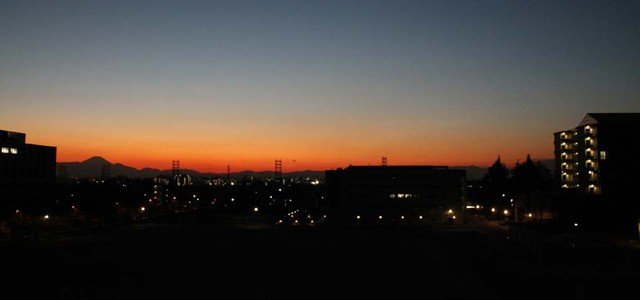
25,163
599,155
397,194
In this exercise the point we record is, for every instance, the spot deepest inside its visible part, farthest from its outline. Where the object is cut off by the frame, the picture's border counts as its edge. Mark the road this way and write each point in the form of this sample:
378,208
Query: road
184,260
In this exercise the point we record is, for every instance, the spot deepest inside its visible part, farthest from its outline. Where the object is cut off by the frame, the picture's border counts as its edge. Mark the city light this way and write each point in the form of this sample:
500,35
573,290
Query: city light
255,209
505,212
46,217
358,217
142,208
450,211
493,209
379,217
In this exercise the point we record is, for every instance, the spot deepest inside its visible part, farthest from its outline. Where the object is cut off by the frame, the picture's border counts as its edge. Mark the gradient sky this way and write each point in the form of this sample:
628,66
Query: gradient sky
320,84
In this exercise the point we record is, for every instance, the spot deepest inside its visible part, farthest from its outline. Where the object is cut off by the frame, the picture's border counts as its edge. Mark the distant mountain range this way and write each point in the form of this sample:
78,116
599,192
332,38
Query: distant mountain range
92,168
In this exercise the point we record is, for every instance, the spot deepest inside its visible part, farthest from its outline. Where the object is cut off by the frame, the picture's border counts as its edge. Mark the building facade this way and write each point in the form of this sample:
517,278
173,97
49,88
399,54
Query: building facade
395,194
599,155
25,163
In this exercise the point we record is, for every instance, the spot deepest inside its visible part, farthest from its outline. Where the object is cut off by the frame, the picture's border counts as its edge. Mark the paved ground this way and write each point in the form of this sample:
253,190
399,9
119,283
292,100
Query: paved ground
187,261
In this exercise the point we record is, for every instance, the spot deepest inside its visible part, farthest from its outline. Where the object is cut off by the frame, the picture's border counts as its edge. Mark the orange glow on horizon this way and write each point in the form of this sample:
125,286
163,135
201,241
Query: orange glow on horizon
303,147
206,160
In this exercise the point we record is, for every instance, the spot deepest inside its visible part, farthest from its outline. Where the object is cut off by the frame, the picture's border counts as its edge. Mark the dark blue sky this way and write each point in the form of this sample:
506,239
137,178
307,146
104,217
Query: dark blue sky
335,82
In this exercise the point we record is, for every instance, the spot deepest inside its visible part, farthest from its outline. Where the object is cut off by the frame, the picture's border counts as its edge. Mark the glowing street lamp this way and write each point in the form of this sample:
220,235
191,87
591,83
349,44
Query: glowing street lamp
506,212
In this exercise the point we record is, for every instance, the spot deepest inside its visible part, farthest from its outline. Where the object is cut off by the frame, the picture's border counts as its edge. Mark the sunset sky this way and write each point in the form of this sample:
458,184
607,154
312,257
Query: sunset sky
320,84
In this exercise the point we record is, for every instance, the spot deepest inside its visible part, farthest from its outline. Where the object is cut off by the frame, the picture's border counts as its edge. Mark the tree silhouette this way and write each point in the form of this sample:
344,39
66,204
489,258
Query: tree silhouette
529,178
496,181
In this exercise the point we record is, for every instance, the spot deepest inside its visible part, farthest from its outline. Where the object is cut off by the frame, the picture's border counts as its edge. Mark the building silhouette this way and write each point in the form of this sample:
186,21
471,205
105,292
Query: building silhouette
25,163
395,194
596,164
599,155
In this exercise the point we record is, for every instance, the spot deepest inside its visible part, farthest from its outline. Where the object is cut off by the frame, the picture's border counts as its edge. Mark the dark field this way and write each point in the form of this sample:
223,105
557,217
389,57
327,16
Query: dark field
183,260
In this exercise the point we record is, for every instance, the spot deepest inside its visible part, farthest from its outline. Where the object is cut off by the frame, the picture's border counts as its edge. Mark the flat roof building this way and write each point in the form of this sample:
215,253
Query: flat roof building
25,163
395,194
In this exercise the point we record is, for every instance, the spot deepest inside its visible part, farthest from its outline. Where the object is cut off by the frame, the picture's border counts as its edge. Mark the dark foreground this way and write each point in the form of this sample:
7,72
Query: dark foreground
182,260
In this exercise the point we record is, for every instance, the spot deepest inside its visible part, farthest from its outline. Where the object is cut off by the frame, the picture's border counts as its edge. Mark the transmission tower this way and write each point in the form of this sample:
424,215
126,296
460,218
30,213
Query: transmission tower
175,168
278,170
384,161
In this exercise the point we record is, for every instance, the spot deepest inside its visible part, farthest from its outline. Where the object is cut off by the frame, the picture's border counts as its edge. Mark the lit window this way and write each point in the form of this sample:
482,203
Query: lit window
603,155
14,151
5,150
392,195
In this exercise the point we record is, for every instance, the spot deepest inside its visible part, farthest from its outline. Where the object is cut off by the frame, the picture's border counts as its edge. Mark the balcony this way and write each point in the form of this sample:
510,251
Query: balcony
590,131
590,153
566,156
567,177
590,142
566,136
565,146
